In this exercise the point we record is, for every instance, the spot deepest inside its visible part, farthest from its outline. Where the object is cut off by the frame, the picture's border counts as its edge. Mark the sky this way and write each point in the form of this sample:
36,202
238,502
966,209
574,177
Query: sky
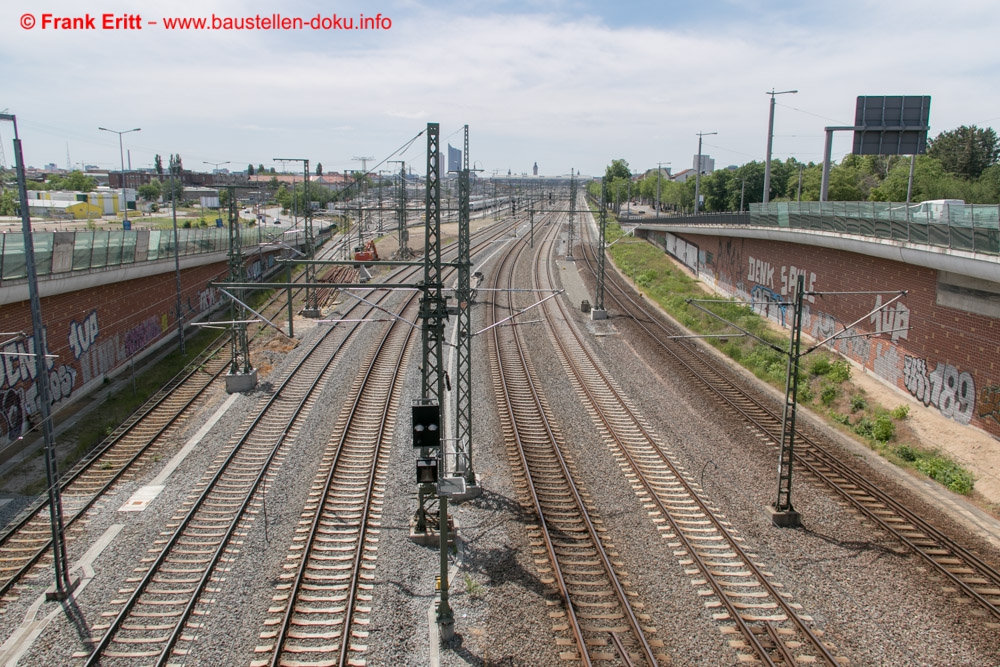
569,84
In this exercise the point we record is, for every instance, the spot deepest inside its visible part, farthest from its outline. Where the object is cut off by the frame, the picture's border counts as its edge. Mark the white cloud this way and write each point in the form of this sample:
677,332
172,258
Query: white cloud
564,90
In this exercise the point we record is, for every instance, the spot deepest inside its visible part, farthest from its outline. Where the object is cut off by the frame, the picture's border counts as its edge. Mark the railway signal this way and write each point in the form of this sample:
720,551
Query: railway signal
426,424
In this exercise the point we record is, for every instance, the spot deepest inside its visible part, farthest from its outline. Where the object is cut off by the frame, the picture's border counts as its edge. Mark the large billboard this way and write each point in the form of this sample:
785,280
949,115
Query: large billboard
891,125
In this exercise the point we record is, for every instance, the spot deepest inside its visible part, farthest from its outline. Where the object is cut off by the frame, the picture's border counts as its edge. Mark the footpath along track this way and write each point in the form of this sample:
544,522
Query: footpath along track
323,600
597,621
728,576
969,576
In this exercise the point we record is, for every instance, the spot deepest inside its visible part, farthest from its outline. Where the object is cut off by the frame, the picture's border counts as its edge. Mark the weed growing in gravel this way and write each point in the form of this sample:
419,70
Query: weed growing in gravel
473,587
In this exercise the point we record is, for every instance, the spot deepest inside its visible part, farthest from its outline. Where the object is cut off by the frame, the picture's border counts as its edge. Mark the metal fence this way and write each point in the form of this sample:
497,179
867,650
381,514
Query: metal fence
61,252
972,227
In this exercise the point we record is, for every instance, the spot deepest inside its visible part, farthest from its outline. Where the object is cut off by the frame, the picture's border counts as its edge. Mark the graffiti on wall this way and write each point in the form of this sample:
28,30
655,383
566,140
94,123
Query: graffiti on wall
19,391
950,391
894,320
142,335
102,358
768,303
887,362
83,334
208,298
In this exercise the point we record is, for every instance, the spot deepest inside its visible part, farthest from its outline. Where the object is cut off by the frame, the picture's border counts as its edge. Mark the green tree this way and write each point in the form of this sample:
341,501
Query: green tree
172,188
319,168
8,202
717,190
158,164
617,169
966,151
260,168
150,191
75,180
249,170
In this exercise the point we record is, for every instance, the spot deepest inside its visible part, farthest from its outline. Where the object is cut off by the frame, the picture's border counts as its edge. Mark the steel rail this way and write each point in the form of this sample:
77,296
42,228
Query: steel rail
623,409
771,428
525,367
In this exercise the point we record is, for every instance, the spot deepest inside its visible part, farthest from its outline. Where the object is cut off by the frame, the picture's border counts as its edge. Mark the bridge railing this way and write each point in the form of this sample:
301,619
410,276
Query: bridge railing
970,227
63,252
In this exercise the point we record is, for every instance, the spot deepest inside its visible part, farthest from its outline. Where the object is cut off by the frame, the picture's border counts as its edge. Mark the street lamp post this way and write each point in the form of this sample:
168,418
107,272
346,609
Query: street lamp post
659,168
770,139
121,154
697,171
216,172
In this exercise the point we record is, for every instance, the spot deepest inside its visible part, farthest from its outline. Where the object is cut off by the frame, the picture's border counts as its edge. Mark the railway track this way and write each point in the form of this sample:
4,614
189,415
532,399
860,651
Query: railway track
120,456
322,604
771,628
598,621
27,539
153,624
179,583
969,577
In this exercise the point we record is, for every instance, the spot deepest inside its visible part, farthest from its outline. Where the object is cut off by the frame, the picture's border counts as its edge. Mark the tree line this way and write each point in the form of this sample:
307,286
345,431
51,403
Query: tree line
963,163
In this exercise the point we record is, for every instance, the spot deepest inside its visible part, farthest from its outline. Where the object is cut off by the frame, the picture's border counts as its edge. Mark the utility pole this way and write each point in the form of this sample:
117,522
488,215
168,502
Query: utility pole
783,514
362,195
242,376
463,297
177,253
404,251
572,214
659,168
598,312
63,585
311,306
427,409
770,138
697,173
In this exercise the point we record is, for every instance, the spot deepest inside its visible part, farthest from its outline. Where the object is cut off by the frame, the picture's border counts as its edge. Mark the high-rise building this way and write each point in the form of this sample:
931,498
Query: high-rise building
707,164
534,170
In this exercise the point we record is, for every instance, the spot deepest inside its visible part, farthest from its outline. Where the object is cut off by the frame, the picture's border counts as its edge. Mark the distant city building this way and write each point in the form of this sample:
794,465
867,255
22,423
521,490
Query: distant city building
683,175
534,170
63,204
707,164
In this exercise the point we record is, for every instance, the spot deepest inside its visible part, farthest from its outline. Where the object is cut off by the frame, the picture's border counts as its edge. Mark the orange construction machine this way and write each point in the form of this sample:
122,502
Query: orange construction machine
366,253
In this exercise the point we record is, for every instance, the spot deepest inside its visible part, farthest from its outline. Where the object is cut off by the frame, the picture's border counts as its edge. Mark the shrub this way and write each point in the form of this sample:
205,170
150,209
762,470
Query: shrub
906,453
840,371
883,428
858,402
840,418
900,412
947,473
865,427
820,366
828,394
805,393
